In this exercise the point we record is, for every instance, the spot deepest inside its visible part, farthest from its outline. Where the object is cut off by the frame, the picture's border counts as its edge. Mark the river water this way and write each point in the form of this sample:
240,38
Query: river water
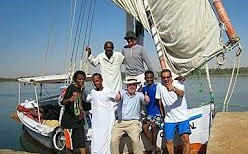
13,137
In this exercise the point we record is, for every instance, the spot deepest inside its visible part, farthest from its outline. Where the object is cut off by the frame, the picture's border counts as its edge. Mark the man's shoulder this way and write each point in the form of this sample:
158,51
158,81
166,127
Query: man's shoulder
117,53
177,82
101,54
138,93
158,85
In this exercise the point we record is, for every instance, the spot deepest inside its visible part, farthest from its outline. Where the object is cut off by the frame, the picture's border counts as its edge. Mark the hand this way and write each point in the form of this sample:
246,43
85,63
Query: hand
169,86
73,97
146,98
89,50
118,96
180,78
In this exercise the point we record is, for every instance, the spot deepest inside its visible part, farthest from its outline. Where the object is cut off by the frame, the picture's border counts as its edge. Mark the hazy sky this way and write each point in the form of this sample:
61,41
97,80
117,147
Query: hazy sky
25,24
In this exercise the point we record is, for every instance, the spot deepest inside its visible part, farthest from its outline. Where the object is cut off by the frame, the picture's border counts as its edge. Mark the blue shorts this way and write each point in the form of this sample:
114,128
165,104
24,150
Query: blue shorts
181,128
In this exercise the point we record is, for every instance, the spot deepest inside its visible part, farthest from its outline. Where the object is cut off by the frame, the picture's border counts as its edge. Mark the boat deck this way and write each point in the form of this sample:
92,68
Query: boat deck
229,133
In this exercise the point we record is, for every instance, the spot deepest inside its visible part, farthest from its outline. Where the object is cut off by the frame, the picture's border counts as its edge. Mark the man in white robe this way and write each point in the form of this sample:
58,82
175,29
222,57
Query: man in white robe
110,63
102,104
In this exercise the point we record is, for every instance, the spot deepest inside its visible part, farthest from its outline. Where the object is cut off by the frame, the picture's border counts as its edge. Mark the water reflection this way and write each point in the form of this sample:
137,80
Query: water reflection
30,145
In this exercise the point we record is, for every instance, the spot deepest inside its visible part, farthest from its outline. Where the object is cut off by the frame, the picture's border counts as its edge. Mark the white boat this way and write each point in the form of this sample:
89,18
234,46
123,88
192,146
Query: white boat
187,35
47,132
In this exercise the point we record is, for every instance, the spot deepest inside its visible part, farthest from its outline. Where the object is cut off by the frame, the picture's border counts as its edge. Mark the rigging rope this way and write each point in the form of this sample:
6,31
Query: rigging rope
68,39
73,18
86,28
78,31
92,16
83,62
211,93
232,83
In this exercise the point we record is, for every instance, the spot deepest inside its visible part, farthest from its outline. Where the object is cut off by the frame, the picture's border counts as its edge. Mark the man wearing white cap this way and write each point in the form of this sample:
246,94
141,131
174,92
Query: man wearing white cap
128,117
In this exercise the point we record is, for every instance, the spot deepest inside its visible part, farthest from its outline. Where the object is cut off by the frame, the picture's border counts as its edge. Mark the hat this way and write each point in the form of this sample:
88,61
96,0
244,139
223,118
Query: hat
130,34
131,81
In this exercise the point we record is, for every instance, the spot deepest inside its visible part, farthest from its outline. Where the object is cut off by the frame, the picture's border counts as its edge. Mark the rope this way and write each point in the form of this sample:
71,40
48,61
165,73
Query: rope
68,35
81,24
92,16
232,83
86,28
235,80
209,84
73,17
78,31
84,56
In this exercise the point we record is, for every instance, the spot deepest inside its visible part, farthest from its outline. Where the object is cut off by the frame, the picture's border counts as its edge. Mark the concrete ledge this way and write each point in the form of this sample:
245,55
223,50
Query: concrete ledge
8,151
229,133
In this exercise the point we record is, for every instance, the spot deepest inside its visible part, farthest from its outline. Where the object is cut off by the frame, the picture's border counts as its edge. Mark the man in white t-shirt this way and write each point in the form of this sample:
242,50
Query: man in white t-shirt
173,107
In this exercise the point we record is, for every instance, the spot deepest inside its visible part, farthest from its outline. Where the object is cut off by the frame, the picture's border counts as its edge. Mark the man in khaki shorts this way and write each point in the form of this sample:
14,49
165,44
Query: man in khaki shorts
128,117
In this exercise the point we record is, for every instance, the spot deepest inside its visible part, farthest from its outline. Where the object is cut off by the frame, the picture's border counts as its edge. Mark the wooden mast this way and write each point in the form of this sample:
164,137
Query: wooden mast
135,26
223,17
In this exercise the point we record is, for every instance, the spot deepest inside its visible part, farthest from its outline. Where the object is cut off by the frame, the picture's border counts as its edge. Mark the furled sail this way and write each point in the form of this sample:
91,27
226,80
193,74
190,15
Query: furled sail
187,32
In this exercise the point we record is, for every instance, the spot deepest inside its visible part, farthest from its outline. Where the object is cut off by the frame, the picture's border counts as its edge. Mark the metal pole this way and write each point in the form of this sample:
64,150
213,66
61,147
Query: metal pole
129,22
36,97
139,30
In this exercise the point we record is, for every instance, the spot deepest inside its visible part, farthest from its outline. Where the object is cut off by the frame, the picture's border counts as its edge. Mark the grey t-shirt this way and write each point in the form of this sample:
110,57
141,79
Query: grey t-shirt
134,60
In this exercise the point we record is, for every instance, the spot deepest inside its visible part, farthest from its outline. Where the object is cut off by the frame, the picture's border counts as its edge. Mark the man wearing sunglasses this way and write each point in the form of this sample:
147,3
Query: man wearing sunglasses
173,107
135,57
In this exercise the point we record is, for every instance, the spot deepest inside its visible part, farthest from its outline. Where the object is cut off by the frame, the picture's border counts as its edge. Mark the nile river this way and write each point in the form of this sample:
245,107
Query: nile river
13,137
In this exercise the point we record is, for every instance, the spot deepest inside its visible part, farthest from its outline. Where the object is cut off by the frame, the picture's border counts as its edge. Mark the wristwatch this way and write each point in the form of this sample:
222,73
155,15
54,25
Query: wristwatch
174,89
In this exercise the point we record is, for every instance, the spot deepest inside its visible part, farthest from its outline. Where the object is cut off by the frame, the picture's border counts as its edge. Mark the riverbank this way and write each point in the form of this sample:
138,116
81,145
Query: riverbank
243,71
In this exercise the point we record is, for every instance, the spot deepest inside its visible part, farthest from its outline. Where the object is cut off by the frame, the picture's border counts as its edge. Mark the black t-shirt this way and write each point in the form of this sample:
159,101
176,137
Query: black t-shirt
73,114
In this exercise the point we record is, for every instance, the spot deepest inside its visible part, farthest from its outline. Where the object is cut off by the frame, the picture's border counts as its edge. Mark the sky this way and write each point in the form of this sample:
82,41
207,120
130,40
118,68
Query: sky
33,34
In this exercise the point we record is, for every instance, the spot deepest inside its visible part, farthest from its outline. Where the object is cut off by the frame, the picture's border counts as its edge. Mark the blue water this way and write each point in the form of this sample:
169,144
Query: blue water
196,92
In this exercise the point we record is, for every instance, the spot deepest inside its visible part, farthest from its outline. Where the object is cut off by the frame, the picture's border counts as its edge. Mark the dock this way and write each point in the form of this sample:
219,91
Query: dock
8,151
229,133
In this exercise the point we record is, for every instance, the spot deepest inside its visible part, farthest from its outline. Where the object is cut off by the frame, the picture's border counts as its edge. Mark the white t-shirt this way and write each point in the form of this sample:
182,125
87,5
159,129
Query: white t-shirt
175,106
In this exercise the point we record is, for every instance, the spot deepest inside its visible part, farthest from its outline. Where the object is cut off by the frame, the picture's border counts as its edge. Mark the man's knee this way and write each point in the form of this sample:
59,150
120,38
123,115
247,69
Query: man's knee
169,142
185,138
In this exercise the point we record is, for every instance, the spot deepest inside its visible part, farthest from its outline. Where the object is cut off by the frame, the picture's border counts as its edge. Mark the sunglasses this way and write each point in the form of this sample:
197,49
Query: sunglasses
166,77
132,84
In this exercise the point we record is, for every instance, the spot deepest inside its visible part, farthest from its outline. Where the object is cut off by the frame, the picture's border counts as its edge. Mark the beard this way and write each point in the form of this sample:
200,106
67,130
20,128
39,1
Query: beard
109,54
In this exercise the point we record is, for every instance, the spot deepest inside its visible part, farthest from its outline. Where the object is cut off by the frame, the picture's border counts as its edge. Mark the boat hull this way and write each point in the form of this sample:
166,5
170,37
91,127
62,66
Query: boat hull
44,140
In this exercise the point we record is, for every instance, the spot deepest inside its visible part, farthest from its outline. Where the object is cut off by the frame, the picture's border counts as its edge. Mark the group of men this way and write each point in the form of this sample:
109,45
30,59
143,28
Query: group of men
117,111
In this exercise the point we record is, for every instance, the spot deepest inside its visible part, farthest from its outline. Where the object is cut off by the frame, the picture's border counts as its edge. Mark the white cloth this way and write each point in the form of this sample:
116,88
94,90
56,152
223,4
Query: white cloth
110,69
187,32
175,106
103,117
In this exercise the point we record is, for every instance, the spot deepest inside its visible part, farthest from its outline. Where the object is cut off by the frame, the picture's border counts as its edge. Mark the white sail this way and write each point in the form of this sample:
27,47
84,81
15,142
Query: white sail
187,32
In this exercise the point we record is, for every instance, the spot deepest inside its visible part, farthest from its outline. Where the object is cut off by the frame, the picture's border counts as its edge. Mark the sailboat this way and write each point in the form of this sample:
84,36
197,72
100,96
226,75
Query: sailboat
33,113
187,35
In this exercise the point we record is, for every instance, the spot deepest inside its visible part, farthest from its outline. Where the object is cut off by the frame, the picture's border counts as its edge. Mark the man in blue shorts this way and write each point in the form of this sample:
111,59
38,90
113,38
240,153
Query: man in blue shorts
173,107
